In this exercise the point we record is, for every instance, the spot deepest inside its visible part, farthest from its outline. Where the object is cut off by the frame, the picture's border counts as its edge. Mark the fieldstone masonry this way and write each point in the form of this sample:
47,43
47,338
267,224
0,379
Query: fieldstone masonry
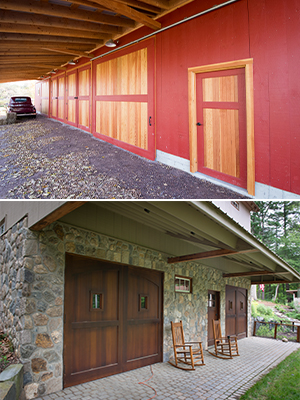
32,294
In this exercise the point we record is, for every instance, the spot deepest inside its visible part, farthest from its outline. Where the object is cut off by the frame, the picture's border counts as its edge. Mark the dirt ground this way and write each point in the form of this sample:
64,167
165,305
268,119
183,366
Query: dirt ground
43,158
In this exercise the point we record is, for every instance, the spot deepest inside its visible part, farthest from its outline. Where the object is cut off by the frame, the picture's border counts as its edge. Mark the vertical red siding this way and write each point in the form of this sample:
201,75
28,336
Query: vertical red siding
216,37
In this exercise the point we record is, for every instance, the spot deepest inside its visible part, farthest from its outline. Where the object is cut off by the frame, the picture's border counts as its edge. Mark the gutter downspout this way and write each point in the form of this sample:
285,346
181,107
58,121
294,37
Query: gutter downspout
168,27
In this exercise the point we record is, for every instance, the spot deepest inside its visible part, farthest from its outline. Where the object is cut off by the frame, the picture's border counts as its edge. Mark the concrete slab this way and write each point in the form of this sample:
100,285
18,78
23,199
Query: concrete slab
218,379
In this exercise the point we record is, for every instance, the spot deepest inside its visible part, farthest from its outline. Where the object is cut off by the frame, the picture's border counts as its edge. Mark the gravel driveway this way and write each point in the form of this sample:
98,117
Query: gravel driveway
45,159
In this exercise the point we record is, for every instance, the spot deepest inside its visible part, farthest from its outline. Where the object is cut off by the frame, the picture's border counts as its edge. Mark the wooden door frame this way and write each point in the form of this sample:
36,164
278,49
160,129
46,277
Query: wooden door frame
247,64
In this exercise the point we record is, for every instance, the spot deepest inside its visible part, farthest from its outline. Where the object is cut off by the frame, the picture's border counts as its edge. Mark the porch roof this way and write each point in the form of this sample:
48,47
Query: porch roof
40,36
211,232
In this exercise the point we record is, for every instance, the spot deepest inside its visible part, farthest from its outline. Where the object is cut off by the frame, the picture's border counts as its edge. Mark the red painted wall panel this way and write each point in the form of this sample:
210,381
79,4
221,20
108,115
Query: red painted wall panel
267,31
216,37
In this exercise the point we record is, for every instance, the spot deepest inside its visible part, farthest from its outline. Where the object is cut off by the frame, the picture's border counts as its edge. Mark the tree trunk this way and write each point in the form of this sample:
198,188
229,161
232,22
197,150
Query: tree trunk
276,293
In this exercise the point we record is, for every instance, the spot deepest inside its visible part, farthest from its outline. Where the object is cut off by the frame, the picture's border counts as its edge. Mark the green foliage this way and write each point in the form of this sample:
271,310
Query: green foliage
277,225
283,382
265,331
279,308
293,314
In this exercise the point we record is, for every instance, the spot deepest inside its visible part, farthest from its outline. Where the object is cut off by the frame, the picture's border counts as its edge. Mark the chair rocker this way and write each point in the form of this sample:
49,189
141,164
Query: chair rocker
186,353
225,347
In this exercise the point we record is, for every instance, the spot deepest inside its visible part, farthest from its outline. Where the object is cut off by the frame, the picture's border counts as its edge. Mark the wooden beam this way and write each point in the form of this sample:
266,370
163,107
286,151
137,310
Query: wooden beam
71,52
43,20
56,214
208,254
44,38
142,5
269,282
164,4
130,13
252,273
63,11
45,30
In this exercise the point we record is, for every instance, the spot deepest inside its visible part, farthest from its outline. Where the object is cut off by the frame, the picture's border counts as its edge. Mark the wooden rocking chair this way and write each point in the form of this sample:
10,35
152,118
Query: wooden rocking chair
225,347
188,353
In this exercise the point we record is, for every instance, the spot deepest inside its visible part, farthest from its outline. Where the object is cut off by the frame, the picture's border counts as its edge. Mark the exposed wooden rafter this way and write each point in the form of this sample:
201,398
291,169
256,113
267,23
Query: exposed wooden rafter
208,254
36,29
66,208
252,273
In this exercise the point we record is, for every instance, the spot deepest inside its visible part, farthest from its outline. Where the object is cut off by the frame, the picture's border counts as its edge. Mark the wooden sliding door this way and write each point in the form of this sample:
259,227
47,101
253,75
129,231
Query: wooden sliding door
78,97
124,101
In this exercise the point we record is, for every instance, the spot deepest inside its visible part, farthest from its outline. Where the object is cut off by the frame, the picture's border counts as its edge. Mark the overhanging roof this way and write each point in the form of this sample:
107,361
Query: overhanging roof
221,243
37,36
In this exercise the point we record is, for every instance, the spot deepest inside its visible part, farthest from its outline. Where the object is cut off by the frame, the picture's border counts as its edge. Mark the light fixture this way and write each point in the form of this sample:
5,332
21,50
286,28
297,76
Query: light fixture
72,62
52,72
111,43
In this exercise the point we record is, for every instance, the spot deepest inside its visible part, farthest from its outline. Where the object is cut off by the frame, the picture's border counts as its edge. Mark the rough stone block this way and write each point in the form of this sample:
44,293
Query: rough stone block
14,374
11,117
7,390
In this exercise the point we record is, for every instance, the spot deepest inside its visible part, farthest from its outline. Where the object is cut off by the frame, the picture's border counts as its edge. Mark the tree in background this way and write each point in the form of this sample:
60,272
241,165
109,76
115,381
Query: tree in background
277,225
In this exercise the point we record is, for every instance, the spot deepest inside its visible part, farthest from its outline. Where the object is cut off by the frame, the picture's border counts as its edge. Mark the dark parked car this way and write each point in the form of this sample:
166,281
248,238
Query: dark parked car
22,105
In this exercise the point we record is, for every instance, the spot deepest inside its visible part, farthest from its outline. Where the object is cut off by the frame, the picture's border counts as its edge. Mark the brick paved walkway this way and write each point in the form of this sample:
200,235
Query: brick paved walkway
218,379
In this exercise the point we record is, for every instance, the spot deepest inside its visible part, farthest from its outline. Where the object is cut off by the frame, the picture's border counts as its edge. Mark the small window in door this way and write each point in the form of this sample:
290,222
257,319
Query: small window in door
96,301
143,302
211,300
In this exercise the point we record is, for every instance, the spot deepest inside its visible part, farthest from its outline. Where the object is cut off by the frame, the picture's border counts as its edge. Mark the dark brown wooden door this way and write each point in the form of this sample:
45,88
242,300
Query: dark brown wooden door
113,319
213,313
236,311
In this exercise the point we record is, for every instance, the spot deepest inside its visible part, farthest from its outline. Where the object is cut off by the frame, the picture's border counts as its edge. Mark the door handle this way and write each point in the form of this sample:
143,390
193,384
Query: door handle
150,121
198,124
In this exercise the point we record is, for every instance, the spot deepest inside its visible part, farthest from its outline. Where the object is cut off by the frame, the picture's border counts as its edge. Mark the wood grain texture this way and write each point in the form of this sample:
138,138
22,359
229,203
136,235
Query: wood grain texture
223,89
125,121
123,75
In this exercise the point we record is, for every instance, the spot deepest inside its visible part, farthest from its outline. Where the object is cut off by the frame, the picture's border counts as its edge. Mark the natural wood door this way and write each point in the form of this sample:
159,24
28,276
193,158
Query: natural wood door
61,98
124,99
221,115
72,97
54,98
113,319
84,89
213,313
236,311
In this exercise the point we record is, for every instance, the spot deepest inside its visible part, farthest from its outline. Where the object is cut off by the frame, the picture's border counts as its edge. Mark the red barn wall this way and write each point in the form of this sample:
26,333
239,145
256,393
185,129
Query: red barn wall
265,30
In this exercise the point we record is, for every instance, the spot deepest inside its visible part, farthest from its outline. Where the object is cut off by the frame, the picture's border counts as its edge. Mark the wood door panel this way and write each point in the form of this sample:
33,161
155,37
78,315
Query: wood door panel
123,75
213,313
125,121
113,318
124,99
84,84
236,311
222,133
54,98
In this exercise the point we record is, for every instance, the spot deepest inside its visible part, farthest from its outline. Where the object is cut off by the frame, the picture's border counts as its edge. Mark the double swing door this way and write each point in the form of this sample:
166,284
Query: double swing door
78,98
221,125
113,318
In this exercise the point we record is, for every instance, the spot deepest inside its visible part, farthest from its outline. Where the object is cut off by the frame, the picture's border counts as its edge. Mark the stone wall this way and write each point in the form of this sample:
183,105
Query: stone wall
41,325
13,282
